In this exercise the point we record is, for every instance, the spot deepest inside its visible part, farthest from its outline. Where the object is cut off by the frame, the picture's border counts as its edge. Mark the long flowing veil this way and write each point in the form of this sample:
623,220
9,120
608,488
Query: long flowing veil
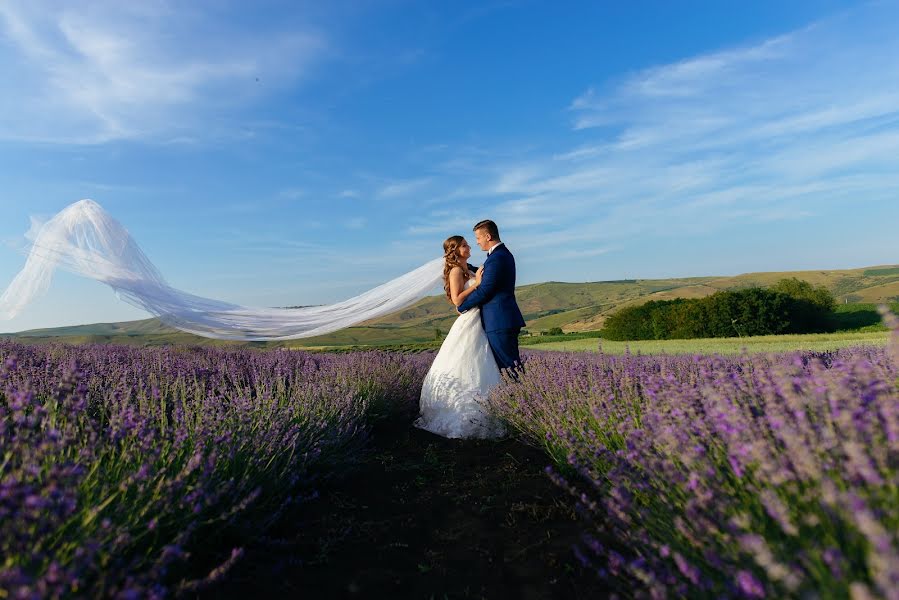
84,239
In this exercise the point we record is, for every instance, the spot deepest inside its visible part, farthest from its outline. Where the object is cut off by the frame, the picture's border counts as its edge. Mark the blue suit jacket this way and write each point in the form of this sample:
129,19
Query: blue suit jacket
496,294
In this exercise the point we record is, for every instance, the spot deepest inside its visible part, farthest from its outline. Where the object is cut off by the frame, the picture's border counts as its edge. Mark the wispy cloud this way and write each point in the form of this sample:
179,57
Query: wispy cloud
442,224
292,193
587,253
150,70
355,223
402,188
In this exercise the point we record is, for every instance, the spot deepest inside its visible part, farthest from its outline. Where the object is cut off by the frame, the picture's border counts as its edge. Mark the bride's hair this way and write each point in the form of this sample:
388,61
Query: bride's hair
451,259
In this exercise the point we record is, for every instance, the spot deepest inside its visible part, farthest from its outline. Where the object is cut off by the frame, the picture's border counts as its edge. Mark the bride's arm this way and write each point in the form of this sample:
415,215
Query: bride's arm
457,282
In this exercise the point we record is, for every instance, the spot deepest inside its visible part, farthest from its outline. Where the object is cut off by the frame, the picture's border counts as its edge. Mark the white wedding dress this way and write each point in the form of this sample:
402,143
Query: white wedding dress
455,389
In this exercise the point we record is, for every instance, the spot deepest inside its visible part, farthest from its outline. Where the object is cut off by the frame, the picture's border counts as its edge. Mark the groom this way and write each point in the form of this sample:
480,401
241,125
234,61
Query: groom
496,296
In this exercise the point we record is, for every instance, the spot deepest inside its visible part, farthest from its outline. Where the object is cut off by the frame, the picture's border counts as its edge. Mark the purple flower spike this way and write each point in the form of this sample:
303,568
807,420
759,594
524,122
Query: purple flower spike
749,586
105,453
761,460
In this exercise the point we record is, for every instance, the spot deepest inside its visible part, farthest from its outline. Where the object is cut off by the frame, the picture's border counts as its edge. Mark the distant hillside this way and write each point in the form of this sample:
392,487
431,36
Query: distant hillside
571,306
143,327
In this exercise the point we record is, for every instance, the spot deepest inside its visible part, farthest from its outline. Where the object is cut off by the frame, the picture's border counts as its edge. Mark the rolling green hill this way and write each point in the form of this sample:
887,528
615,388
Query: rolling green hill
571,306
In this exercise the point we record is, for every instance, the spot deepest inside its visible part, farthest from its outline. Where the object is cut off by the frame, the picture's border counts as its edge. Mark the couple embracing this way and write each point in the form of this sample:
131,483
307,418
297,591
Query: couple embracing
480,343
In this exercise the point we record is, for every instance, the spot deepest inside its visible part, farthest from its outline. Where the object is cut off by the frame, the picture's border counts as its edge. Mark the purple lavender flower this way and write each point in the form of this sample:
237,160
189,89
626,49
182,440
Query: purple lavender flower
764,460
749,586
135,453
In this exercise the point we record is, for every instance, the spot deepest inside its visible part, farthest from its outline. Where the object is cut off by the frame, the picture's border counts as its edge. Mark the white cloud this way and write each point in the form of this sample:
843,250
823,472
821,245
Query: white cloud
442,225
292,193
586,253
403,188
107,70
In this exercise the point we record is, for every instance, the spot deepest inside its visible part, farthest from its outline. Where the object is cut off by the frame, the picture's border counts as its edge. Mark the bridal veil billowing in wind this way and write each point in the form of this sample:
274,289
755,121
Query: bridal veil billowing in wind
84,239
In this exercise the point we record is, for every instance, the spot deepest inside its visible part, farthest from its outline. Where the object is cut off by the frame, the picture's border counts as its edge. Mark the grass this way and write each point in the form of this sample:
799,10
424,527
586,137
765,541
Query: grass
881,272
860,317
762,343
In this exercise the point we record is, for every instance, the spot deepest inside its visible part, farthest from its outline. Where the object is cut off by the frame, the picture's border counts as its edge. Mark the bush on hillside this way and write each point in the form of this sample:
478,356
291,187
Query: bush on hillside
816,308
633,322
791,306
803,290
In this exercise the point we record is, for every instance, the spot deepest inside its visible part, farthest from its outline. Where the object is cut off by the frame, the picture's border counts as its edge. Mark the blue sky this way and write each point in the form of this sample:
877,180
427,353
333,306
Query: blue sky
281,153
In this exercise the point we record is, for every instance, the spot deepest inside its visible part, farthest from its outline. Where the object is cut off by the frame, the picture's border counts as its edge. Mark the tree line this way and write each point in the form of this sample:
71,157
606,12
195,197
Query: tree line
789,306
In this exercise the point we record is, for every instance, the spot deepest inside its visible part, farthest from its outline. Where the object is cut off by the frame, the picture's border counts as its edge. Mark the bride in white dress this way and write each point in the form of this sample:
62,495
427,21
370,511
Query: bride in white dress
453,396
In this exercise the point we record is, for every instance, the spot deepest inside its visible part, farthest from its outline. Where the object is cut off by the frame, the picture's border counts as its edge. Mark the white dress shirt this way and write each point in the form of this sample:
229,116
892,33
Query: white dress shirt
493,247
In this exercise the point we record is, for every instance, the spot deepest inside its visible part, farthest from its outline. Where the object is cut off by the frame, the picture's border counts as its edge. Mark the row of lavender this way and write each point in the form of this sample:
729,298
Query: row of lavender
744,476
117,463
751,476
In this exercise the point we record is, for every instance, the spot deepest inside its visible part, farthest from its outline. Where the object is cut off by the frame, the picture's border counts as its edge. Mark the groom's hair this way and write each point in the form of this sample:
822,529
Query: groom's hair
491,228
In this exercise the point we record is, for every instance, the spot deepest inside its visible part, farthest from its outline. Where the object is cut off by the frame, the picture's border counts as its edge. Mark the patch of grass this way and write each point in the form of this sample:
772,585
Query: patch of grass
563,318
762,343
533,340
859,317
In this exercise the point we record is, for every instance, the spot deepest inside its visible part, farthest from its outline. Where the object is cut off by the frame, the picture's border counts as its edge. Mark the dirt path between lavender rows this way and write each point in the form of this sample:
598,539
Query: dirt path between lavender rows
420,516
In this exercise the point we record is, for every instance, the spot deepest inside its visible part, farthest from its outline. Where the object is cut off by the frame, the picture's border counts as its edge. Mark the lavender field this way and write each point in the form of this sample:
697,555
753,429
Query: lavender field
130,472
745,476
119,464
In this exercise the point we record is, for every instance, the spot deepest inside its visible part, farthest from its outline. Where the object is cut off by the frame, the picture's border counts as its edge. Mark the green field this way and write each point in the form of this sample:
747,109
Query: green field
762,343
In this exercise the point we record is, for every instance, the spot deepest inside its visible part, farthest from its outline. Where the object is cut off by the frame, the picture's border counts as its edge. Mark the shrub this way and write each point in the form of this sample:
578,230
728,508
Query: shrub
791,306
815,305
632,322
803,290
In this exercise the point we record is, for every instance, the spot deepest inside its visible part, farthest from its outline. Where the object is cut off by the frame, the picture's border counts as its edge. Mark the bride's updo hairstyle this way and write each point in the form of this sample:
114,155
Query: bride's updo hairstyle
452,259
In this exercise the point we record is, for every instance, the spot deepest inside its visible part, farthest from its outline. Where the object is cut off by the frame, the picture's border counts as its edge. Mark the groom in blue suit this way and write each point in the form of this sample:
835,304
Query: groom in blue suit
496,296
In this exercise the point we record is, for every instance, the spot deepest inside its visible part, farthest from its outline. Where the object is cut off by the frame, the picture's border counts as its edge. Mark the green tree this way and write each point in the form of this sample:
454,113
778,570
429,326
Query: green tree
688,320
634,322
813,305
752,311
803,290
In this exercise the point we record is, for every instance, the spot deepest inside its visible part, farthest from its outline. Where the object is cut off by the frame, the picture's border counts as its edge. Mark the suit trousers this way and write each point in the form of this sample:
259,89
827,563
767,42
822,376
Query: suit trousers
504,344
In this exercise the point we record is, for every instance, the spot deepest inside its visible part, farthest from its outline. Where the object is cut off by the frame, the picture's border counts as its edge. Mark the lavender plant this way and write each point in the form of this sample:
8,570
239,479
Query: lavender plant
116,464
749,476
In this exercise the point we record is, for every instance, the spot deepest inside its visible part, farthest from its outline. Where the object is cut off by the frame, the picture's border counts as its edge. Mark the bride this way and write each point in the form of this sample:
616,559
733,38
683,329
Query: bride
464,370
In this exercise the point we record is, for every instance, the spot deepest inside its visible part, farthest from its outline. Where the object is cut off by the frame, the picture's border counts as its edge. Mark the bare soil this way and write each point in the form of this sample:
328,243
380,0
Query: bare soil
421,516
